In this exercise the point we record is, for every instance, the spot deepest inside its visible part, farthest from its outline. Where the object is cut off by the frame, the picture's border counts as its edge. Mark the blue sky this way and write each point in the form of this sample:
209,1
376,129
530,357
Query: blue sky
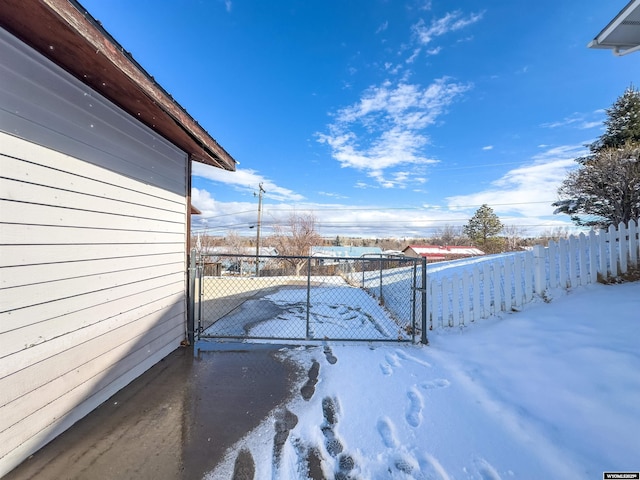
382,118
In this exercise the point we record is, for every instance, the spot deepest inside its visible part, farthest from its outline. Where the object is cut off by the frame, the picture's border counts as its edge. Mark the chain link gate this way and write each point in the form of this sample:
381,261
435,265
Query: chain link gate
244,297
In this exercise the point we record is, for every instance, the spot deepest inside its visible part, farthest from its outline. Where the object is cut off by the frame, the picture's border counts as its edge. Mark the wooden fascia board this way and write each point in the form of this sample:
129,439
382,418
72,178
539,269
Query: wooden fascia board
69,36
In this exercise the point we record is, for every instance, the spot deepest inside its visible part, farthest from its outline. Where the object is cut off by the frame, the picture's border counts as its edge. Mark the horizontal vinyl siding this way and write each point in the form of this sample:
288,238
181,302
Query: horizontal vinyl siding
16,255
75,399
62,106
92,250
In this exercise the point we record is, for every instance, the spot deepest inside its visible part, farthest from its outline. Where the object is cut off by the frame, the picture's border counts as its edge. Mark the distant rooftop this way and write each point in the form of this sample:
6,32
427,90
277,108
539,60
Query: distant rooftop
424,250
344,251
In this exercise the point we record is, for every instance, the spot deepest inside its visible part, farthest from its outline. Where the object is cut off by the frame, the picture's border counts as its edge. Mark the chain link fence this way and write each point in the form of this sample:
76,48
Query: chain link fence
306,298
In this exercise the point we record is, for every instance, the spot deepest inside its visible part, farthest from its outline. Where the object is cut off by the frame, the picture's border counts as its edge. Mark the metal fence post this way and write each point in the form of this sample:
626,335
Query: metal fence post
200,277
424,339
413,301
191,296
381,299
308,295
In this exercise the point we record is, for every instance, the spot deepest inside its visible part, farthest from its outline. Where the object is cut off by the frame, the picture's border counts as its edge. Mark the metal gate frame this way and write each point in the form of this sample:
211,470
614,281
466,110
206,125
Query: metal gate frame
263,279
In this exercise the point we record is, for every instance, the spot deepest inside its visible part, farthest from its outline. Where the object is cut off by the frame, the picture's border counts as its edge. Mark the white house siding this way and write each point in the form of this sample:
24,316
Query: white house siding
92,250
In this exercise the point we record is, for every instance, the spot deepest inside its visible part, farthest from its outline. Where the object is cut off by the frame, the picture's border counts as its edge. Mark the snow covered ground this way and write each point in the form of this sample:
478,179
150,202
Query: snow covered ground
334,314
551,392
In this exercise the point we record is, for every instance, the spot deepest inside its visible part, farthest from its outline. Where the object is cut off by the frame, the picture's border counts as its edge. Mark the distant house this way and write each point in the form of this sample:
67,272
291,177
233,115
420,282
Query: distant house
236,260
96,160
345,252
225,250
436,253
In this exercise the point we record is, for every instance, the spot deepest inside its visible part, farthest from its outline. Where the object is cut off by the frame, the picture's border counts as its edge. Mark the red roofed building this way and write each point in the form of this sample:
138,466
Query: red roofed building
437,253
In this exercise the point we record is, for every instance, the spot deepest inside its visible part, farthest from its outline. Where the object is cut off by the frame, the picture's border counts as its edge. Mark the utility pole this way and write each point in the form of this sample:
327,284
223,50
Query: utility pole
261,191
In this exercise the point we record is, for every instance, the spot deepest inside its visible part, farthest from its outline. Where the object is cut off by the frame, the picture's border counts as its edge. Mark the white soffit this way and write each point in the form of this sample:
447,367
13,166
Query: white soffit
622,35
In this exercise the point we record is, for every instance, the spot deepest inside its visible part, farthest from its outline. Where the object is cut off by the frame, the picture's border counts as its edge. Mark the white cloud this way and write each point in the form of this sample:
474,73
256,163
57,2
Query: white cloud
488,147
522,197
246,180
513,196
529,190
392,69
385,129
333,195
219,217
451,22
383,27
576,120
202,200
414,55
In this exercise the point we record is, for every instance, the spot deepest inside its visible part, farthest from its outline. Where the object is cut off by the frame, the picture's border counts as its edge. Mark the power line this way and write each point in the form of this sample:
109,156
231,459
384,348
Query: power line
430,207
364,209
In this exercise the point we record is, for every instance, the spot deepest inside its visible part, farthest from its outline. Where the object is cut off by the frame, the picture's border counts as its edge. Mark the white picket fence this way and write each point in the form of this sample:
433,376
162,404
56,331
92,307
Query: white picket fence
505,283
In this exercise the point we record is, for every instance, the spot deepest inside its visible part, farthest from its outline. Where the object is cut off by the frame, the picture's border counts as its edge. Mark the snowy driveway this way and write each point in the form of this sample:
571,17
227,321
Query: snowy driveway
333,310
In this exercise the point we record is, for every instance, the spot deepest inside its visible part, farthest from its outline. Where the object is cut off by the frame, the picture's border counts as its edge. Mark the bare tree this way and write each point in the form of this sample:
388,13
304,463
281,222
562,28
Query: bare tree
554,234
513,235
234,244
202,241
391,244
295,239
450,235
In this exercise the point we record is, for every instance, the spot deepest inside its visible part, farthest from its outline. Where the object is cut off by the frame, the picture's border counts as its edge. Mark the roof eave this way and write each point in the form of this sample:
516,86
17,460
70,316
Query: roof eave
602,39
64,32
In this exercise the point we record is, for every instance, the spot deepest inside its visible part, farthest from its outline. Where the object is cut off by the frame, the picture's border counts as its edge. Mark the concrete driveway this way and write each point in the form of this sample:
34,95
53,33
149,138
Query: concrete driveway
175,421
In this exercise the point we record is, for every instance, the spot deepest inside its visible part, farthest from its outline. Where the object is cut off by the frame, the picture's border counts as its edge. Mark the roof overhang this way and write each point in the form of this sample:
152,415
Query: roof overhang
64,32
622,35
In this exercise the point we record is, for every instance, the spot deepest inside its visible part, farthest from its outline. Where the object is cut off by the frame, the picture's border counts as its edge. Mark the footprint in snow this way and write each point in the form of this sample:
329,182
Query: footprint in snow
392,359
244,467
431,467
387,432
405,356
423,466
391,362
436,383
328,353
309,388
330,412
486,470
414,410
407,465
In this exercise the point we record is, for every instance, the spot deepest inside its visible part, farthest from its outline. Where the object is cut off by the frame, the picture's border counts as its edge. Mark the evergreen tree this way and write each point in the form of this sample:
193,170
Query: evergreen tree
622,123
483,229
605,188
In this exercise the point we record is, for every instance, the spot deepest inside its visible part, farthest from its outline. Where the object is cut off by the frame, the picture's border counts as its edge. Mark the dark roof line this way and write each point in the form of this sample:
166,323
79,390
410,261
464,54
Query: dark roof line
65,32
